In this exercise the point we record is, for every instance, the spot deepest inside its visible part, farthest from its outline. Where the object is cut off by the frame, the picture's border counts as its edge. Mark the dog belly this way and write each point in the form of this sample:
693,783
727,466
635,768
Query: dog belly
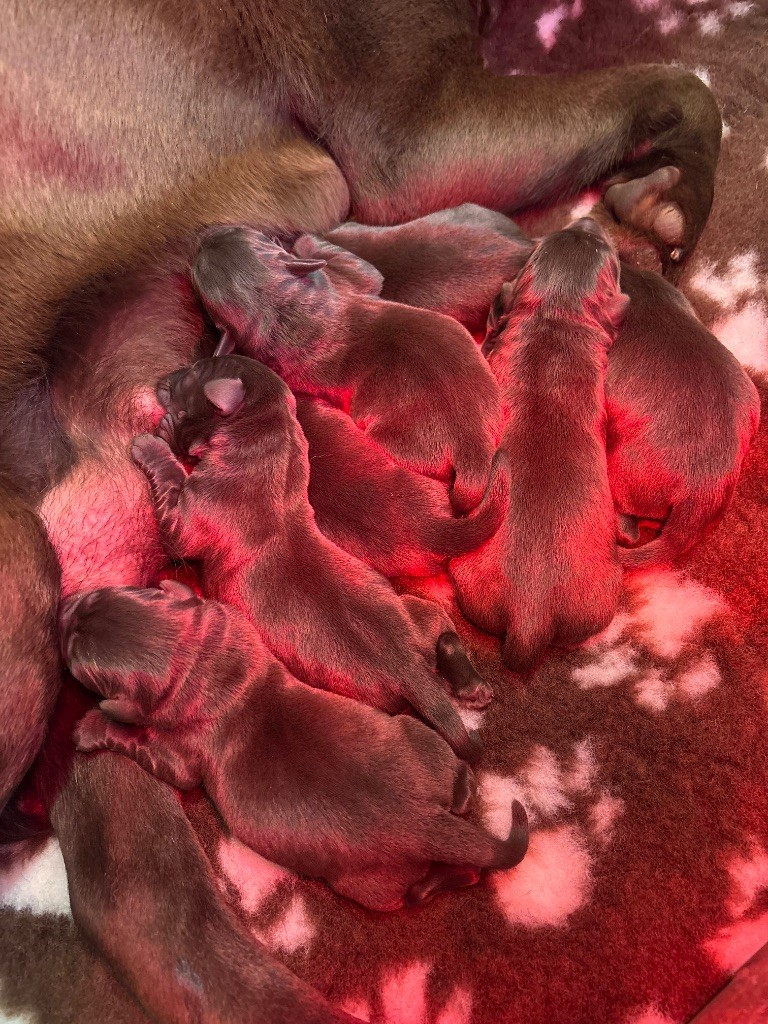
102,527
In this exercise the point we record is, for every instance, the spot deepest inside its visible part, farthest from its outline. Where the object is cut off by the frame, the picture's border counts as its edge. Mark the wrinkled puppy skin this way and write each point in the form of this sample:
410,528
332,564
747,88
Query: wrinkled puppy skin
202,702
551,574
398,522
244,513
413,380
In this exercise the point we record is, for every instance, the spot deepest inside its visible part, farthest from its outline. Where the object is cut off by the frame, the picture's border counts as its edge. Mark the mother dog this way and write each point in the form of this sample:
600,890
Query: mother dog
130,123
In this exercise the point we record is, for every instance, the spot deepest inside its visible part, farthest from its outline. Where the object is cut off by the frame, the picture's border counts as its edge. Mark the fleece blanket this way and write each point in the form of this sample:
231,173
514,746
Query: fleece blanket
642,758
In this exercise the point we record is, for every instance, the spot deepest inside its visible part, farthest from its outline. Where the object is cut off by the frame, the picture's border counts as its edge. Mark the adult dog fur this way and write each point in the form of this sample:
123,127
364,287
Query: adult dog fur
232,79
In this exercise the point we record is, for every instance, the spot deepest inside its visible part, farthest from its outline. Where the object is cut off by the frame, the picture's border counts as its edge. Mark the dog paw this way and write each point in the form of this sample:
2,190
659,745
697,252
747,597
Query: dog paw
645,205
146,449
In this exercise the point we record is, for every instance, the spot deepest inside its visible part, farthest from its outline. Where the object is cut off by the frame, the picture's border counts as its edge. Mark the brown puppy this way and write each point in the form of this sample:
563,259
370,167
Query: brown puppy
244,513
452,262
316,782
681,417
681,410
551,574
414,381
398,522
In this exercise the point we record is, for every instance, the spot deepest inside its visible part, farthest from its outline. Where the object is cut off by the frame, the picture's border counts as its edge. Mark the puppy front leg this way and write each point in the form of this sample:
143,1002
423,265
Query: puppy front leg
144,894
167,477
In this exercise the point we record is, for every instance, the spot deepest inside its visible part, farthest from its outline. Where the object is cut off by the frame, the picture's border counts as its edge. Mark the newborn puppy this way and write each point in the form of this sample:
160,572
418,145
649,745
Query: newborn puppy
413,380
681,417
452,262
323,785
398,522
243,512
551,574
681,410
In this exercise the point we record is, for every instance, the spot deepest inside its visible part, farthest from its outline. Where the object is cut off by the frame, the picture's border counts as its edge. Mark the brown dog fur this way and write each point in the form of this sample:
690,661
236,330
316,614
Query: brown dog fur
398,522
243,512
414,381
203,702
232,80
551,574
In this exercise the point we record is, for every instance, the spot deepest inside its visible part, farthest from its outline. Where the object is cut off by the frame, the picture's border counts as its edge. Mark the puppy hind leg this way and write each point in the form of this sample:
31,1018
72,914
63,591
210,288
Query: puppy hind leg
441,878
445,653
453,663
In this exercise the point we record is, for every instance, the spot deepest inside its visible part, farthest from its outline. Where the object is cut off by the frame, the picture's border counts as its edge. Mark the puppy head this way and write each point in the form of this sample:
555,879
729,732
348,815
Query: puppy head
574,271
248,282
200,399
123,643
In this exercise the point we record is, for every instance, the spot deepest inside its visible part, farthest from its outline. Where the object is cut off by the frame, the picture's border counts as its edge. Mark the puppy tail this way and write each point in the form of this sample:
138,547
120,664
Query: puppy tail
458,536
687,523
458,841
429,701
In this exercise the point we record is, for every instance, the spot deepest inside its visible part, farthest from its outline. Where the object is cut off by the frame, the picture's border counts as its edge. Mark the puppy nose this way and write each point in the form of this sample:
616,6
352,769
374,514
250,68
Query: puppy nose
67,611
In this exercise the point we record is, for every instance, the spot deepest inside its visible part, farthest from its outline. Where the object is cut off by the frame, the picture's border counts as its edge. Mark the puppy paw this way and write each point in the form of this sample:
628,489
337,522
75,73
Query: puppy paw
453,664
646,205
147,450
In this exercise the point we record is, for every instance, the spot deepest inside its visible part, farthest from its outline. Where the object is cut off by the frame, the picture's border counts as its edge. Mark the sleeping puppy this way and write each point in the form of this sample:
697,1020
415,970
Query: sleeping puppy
323,785
681,410
413,380
452,262
398,522
243,512
551,574
681,417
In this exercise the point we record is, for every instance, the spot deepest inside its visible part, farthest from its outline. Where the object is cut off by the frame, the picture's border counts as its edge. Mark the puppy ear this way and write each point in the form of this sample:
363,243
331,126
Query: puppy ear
501,305
225,347
178,590
303,268
226,393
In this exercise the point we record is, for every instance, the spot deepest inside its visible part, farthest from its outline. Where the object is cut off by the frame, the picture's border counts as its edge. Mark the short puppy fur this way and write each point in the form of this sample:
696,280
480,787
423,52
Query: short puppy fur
398,522
413,380
452,262
682,412
244,513
316,782
551,574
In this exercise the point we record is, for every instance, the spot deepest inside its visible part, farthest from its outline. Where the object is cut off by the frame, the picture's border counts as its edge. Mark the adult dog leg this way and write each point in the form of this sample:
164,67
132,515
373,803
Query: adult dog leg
511,142
142,891
30,671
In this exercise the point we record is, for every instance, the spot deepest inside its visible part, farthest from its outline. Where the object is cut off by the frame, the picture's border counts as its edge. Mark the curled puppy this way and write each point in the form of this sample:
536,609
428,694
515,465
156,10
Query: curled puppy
398,522
243,512
551,574
451,262
413,380
681,417
323,785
